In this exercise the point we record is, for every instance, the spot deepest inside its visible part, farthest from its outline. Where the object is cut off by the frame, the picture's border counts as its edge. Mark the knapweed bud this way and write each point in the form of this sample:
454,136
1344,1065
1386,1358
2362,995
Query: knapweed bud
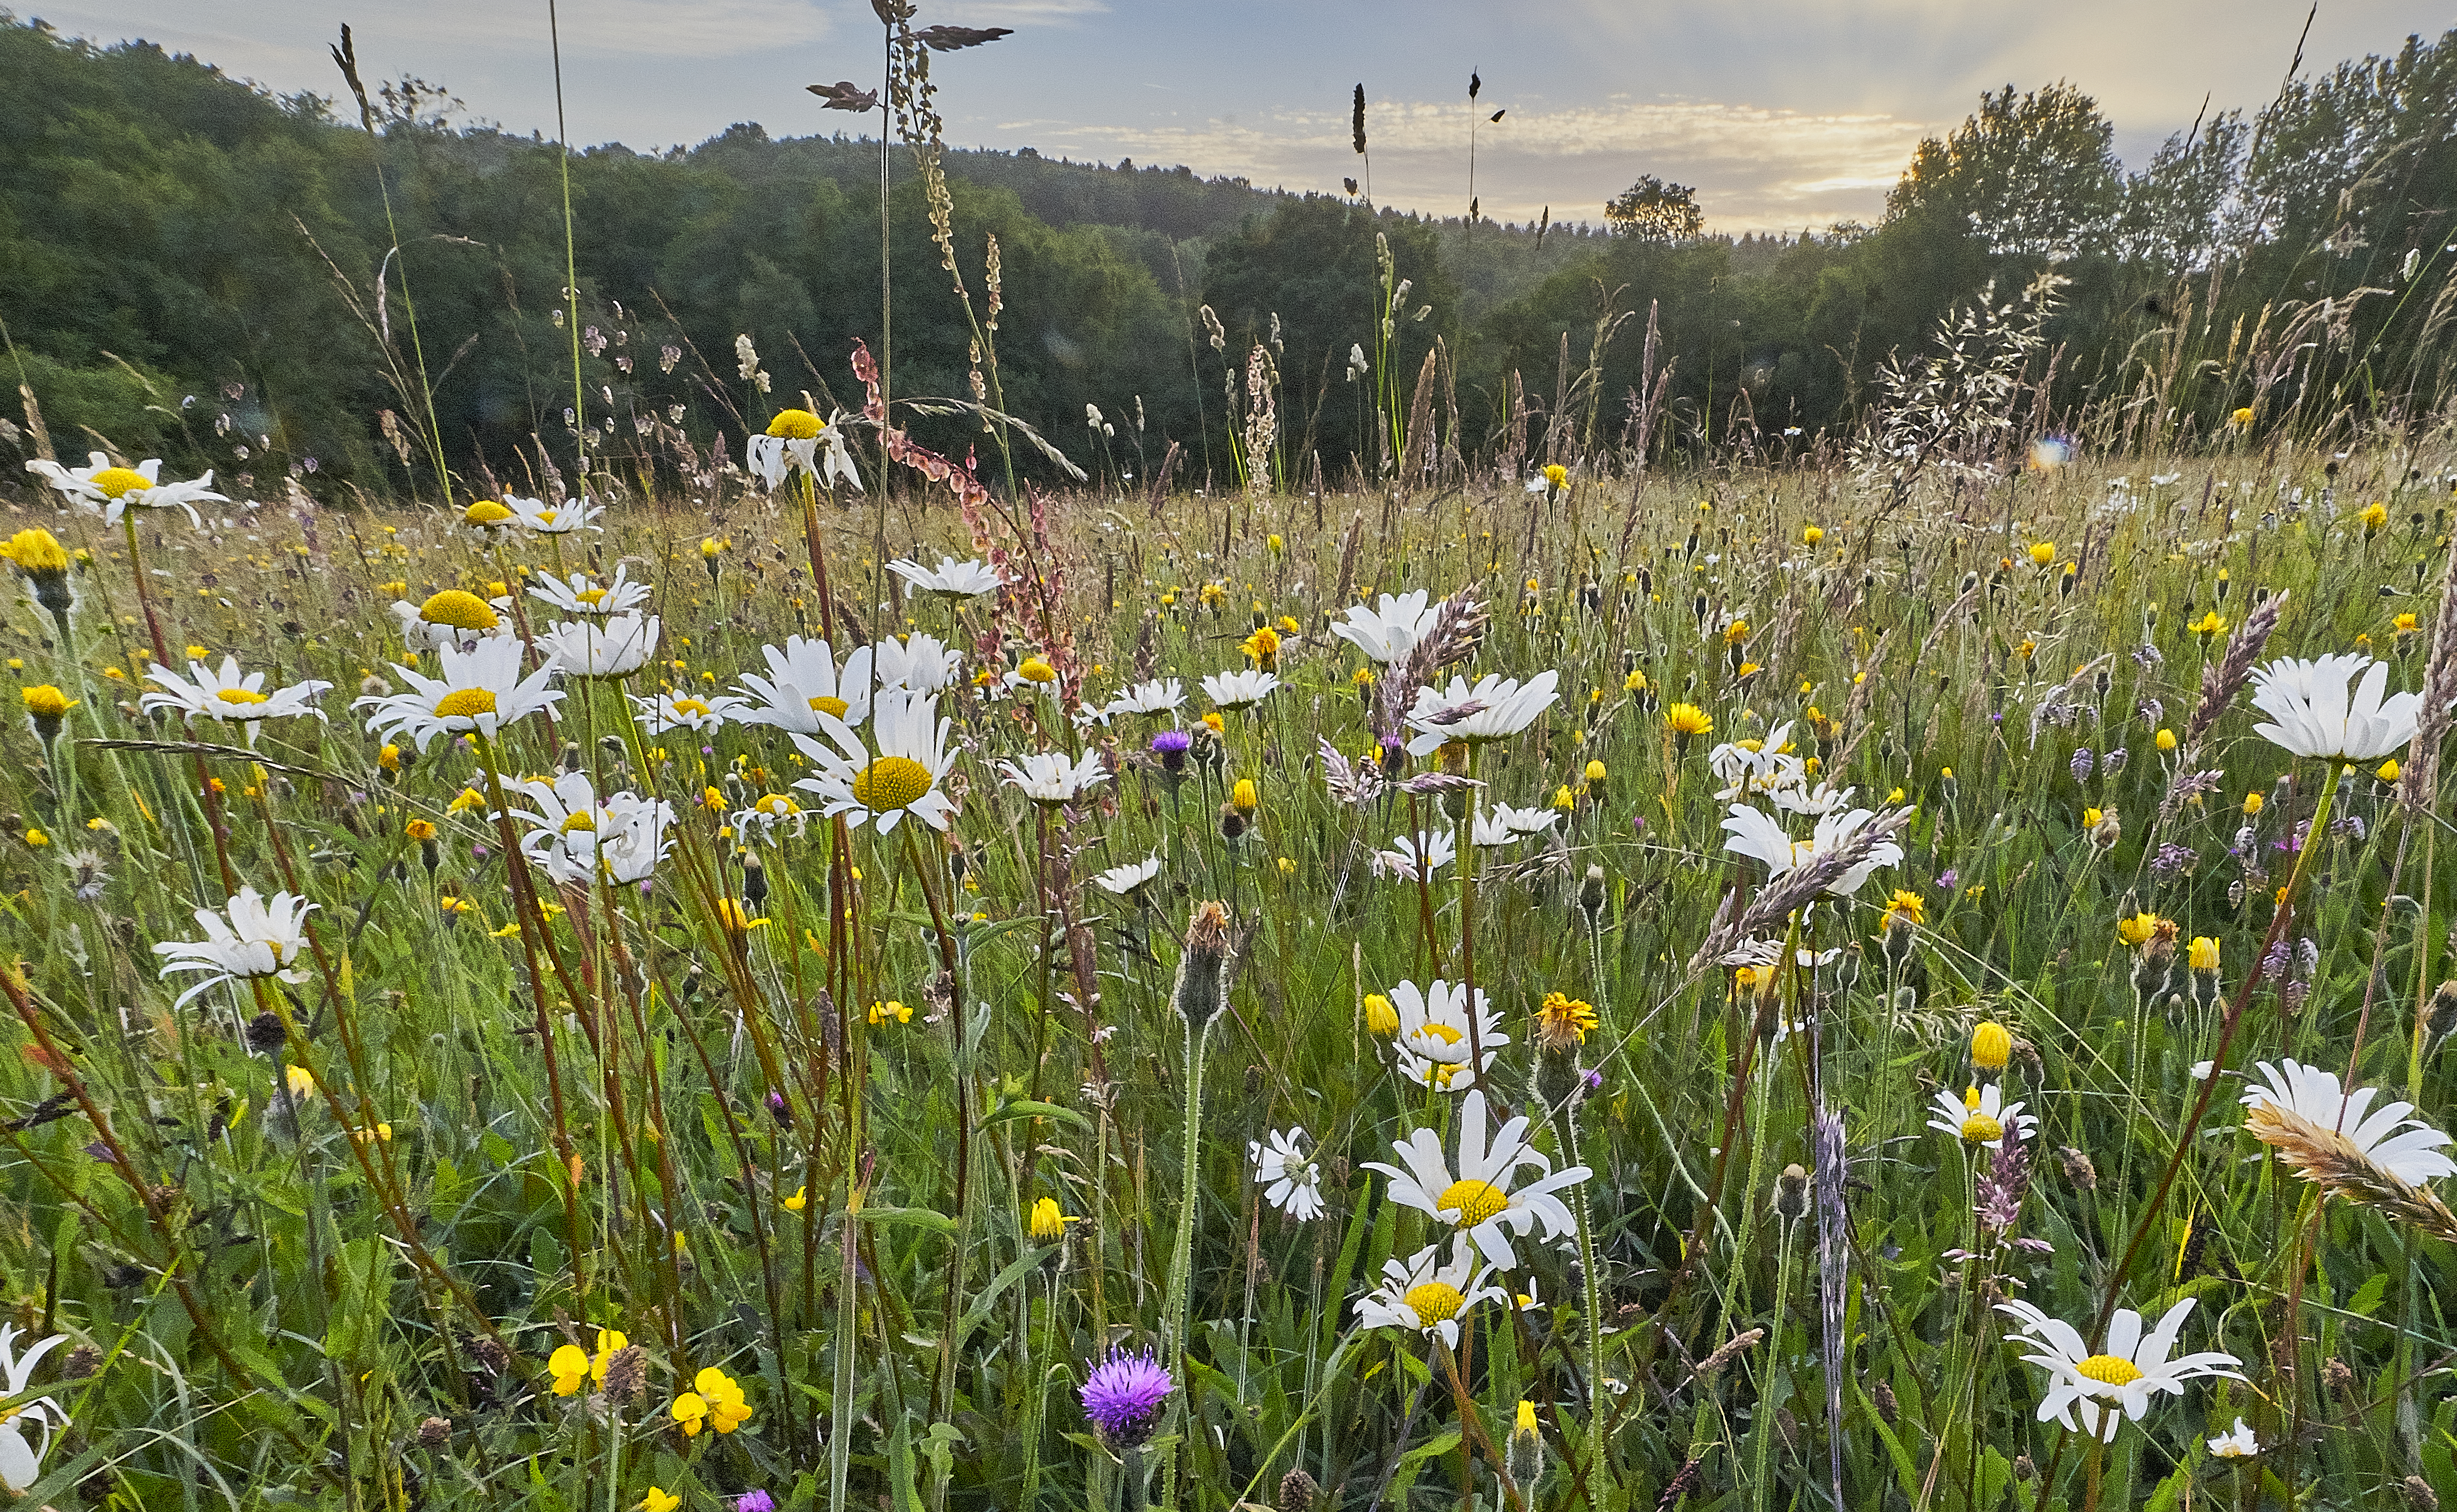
1525,1454
1791,1193
1298,1490
1591,897
1202,971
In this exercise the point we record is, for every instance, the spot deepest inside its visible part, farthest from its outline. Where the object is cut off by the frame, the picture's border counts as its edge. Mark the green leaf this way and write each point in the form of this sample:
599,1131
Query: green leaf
919,1217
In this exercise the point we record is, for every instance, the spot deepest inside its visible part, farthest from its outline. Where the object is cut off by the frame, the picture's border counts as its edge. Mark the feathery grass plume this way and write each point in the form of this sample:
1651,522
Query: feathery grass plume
1452,638
1779,897
1737,1344
2338,1167
2419,782
2223,679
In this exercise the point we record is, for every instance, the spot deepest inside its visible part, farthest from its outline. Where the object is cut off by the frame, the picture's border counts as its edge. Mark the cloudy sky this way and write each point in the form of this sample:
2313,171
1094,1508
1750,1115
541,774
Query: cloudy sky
1784,114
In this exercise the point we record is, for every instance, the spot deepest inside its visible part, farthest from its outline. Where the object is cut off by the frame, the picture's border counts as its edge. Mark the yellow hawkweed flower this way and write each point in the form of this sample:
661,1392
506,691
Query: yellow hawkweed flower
800,1199
1262,648
2388,770
2374,516
2135,929
1689,721
2042,552
1564,1021
420,830
1243,797
2241,419
1048,1224
2166,741
2204,954
657,1501
46,703
1906,907
1813,537
1736,632
301,1081
1556,476
2252,805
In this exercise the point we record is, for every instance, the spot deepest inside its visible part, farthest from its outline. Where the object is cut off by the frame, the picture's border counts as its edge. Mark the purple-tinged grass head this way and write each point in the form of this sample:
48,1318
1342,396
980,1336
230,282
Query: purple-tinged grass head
1123,1396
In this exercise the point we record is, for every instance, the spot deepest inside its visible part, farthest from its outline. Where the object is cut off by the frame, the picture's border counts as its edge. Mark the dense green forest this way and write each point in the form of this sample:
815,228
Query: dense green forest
193,267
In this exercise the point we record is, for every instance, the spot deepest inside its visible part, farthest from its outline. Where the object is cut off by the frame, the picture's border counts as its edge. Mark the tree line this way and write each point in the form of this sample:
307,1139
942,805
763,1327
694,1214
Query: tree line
193,267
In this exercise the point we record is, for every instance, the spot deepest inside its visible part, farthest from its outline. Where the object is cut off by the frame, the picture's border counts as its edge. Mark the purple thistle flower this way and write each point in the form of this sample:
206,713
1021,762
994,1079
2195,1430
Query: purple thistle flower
1123,1396
1171,746
1951,879
754,1502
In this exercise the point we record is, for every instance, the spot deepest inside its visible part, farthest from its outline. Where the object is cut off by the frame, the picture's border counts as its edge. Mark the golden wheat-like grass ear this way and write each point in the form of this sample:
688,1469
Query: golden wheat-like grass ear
2332,1162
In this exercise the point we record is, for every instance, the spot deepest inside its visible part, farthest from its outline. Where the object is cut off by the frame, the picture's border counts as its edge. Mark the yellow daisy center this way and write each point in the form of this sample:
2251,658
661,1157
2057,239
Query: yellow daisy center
693,707
891,783
1474,1201
580,820
460,608
465,703
777,806
1435,1302
117,480
1980,1130
796,424
1443,1033
546,516
2109,1370
486,511
592,596
240,696
833,708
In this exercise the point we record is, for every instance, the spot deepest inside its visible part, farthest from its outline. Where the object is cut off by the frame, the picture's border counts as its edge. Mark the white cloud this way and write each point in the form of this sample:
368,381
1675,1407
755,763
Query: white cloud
1755,168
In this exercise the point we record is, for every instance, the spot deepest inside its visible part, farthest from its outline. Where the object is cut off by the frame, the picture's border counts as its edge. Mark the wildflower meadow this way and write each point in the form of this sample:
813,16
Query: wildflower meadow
871,950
